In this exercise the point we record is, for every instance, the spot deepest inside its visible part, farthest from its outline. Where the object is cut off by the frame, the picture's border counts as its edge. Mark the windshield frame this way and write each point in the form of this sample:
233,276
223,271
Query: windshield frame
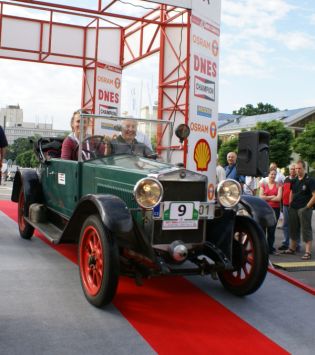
117,120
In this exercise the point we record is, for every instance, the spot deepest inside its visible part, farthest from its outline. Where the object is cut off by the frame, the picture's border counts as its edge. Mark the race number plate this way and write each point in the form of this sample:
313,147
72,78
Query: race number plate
184,215
180,215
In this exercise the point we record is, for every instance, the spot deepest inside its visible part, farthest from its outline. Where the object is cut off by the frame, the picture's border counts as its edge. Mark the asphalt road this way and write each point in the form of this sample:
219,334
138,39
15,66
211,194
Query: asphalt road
43,310
5,190
306,277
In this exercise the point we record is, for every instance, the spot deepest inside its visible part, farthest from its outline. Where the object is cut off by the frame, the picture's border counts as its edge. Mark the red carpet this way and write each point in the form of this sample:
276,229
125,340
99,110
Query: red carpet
175,317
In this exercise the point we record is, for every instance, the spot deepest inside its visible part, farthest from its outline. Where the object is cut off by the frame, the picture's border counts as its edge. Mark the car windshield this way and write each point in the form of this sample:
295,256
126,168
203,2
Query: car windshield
102,136
133,162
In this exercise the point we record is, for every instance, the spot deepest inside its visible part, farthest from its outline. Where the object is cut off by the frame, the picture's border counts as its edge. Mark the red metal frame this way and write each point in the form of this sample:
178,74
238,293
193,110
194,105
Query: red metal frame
161,16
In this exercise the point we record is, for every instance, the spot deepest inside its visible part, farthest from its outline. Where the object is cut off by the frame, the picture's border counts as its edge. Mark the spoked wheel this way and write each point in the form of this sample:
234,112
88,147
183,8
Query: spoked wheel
249,257
25,229
98,262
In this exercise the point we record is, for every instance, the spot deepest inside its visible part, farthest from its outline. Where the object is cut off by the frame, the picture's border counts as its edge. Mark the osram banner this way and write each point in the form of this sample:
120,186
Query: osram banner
203,95
108,96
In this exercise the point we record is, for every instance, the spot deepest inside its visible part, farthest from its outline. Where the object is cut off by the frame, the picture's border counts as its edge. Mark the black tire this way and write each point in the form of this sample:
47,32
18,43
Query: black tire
249,257
98,262
25,229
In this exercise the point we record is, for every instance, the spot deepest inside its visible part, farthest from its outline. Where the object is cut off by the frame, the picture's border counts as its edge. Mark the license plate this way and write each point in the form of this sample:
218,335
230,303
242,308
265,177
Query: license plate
183,215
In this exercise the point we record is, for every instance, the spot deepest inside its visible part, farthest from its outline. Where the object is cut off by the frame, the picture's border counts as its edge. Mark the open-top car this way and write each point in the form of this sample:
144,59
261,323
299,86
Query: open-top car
133,213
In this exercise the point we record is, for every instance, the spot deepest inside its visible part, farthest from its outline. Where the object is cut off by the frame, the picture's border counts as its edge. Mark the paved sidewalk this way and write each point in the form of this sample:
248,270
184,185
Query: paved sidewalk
307,277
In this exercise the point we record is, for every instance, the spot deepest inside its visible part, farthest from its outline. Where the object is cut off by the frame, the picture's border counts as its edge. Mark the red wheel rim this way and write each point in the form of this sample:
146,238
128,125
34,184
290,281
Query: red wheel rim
245,262
91,260
21,220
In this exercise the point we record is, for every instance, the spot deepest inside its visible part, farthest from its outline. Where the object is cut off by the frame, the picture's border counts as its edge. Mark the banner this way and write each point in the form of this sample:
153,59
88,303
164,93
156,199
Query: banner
107,96
203,96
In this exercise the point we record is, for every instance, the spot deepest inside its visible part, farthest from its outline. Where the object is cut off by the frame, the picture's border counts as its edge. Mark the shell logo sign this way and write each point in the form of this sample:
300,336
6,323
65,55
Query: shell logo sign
202,155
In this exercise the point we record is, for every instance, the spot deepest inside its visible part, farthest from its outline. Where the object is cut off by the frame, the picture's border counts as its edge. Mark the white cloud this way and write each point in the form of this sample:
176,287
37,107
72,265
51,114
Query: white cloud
297,40
253,31
254,13
298,66
247,60
245,65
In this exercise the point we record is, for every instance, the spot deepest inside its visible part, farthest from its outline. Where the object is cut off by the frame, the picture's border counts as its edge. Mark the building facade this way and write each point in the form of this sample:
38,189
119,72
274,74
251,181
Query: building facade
11,119
11,116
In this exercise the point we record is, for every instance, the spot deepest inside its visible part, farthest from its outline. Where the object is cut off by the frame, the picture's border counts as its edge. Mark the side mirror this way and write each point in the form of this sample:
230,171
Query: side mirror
253,153
182,132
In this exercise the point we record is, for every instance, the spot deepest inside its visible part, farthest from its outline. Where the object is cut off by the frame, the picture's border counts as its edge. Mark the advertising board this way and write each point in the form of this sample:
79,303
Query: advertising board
203,102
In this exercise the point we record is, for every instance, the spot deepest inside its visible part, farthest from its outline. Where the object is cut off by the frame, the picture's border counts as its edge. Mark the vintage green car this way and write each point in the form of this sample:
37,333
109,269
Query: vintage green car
141,217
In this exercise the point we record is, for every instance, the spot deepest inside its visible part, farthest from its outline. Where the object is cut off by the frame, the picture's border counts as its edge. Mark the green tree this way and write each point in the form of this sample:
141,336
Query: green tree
27,159
250,110
226,147
280,145
304,144
18,147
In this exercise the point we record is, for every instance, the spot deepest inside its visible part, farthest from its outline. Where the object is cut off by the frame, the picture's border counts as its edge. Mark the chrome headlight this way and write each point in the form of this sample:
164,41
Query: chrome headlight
229,193
148,192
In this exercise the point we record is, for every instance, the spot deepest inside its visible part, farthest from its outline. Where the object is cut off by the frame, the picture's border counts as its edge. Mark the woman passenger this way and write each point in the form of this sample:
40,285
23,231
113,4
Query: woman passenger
69,150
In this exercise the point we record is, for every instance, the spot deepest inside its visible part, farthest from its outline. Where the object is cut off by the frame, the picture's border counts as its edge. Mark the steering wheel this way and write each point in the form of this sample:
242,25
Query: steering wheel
91,145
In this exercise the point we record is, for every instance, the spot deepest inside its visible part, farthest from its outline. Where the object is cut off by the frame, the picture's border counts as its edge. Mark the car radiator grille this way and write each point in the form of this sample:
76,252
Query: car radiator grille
180,191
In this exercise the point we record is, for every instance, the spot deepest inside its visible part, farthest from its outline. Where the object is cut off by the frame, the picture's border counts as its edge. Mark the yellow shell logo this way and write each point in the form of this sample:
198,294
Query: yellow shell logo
202,155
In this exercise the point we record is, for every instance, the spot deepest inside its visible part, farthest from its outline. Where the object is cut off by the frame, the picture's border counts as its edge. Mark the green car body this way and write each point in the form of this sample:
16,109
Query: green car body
93,203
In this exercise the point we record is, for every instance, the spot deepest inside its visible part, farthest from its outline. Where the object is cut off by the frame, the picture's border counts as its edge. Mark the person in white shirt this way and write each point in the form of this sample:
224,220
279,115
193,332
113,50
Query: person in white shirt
220,172
250,186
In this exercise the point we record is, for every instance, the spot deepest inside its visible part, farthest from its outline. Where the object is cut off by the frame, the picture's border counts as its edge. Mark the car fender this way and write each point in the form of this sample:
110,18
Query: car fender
112,210
259,209
29,180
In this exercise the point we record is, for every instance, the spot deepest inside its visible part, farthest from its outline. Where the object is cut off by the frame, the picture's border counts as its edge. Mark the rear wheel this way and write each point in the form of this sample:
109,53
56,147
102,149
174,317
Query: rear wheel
25,229
250,259
98,262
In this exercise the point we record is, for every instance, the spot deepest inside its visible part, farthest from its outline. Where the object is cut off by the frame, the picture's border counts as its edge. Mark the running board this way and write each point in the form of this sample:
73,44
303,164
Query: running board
49,230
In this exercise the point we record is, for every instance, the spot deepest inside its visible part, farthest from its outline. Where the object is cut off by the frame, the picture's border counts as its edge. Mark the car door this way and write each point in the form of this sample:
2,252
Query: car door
60,182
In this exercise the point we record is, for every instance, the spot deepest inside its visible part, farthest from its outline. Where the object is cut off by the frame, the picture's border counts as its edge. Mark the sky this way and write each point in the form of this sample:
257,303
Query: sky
267,54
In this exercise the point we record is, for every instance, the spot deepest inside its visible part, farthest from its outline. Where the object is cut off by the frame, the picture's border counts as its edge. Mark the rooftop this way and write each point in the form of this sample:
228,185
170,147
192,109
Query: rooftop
229,122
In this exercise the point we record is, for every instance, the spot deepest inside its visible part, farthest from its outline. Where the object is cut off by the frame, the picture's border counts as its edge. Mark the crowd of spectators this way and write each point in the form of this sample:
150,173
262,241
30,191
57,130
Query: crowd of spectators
291,197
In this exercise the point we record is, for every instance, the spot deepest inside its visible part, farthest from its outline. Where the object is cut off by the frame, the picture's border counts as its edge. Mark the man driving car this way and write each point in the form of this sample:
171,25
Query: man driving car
126,142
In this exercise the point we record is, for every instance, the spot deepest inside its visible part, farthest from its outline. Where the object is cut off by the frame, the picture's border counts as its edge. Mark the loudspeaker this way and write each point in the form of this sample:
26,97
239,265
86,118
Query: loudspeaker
253,154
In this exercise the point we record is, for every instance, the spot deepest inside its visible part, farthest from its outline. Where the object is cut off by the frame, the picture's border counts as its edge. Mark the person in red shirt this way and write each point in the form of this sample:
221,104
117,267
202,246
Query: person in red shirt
70,145
271,192
285,205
